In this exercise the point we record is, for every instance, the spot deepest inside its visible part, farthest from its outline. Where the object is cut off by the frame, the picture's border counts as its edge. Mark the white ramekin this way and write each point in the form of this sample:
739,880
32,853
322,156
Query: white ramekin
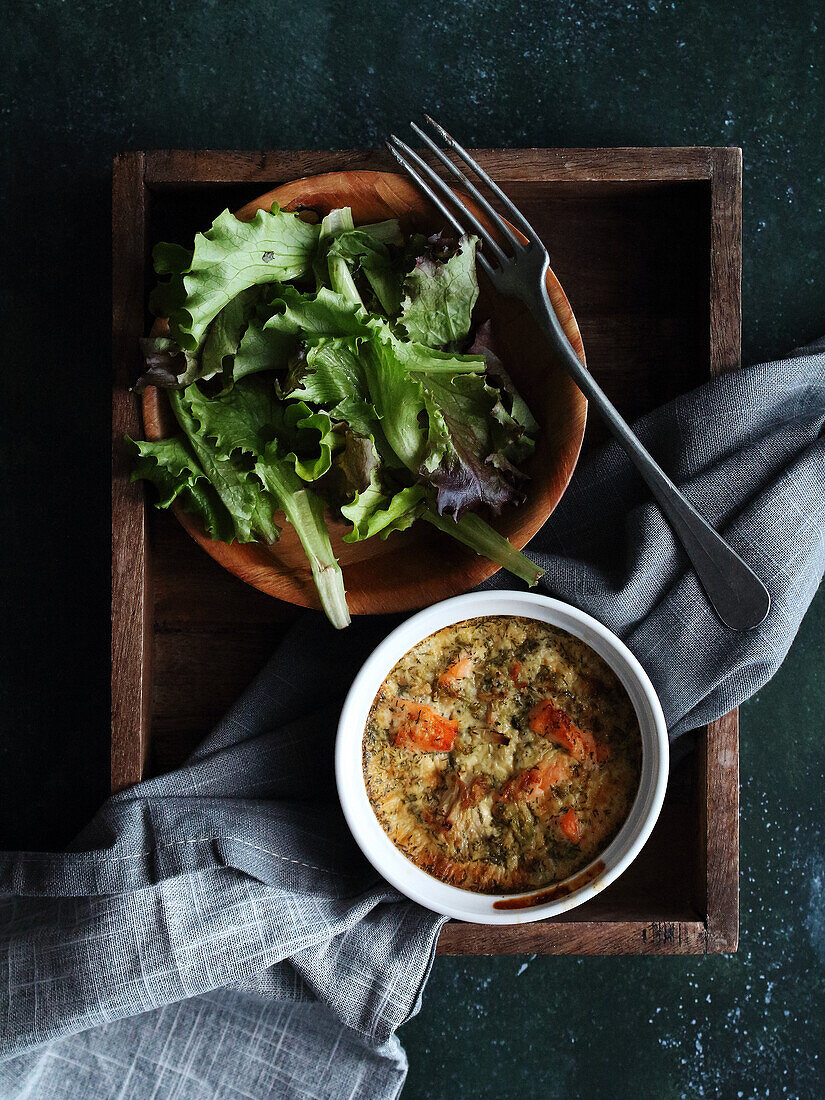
467,905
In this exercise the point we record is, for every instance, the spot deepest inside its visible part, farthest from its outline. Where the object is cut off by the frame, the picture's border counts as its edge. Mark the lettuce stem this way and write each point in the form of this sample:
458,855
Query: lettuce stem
305,511
479,536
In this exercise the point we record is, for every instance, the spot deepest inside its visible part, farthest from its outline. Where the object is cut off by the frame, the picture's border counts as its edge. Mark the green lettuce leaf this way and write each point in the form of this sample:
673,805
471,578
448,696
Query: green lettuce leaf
366,253
263,349
397,398
229,257
223,337
306,438
250,509
325,315
250,416
337,270
439,297
172,468
240,420
225,430
375,513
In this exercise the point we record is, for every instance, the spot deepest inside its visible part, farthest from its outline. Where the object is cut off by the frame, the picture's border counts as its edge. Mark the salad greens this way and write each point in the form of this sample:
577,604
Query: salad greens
326,368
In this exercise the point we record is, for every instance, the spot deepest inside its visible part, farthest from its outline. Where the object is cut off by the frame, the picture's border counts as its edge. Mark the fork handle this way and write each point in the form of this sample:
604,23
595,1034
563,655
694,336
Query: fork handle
734,591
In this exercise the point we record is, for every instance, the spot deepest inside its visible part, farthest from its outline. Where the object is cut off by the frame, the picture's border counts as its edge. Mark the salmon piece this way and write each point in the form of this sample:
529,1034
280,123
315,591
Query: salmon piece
420,727
455,673
532,783
571,827
549,721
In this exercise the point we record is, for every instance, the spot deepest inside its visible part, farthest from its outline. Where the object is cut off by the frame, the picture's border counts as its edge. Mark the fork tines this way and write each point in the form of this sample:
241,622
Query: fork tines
457,213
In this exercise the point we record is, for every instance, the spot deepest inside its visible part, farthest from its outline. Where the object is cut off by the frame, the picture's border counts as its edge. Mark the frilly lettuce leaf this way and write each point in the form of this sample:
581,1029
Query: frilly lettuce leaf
250,417
326,314
251,510
439,297
172,468
375,513
229,257
240,420
253,477
332,375
306,438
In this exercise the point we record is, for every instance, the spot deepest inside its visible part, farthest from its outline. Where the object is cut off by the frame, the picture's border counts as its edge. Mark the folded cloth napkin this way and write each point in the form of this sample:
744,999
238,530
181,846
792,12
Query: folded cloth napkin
215,933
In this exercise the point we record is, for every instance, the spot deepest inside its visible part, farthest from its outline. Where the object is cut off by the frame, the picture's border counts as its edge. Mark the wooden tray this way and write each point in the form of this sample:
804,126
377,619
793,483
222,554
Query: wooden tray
647,244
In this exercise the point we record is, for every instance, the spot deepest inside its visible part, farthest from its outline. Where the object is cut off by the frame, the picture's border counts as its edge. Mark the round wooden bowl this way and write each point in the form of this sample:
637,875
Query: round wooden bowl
420,566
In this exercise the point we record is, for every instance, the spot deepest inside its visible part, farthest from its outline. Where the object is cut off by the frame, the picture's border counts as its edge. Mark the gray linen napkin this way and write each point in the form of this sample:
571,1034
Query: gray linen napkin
215,933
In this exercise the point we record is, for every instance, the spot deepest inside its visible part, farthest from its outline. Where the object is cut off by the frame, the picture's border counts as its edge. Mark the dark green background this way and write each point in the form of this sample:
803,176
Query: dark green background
83,80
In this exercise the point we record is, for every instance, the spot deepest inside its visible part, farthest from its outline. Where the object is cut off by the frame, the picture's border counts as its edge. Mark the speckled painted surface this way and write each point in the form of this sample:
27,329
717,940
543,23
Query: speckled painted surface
81,80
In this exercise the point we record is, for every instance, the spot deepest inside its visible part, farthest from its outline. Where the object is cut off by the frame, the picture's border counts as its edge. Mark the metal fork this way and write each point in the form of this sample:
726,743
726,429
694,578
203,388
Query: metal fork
517,266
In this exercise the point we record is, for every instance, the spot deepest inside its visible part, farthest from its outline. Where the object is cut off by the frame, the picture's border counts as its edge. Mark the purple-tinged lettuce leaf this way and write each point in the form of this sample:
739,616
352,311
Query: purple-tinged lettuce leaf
460,461
166,365
512,401
439,297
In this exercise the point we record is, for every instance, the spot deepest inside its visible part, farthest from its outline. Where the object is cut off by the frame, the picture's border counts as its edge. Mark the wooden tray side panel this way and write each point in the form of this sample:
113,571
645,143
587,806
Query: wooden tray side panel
719,763
719,825
725,260
180,167
131,602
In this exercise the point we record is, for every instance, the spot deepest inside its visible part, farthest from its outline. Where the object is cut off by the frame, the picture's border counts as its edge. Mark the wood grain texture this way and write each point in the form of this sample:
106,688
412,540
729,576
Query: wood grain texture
420,566
726,260
131,574
185,167
719,824
615,222
627,937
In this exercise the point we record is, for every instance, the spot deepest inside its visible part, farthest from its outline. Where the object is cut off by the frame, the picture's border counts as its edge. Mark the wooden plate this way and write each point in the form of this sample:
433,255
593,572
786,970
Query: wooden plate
420,566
